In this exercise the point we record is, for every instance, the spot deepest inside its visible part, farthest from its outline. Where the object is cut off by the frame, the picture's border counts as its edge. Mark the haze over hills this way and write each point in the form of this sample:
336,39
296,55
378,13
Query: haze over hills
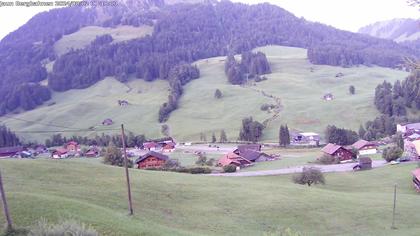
399,30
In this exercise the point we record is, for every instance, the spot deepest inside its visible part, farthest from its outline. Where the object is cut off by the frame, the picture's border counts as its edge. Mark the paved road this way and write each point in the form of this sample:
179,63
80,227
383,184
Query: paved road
324,168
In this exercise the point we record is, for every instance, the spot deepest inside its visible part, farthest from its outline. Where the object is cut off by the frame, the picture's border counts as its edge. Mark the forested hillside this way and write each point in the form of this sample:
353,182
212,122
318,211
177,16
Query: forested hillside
183,33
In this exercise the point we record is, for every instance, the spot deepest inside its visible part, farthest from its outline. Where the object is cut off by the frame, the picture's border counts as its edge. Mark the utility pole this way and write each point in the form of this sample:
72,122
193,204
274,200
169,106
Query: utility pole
5,207
130,204
393,211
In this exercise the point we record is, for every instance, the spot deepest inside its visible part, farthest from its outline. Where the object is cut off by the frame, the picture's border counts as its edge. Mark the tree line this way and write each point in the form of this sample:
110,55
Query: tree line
102,140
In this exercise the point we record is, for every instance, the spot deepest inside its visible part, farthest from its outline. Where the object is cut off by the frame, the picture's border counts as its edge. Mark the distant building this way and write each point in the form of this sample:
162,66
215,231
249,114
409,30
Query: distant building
10,151
59,153
72,146
408,128
337,151
309,138
169,147
92,152
233,159
365,147
151,160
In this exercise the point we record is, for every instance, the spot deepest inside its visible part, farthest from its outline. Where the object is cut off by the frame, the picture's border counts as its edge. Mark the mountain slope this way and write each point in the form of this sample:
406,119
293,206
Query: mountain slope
292,81
399,30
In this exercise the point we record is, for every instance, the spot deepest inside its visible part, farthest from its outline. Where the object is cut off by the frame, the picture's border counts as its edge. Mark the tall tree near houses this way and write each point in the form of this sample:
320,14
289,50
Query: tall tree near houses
287,135
223,137
362,131
284,136
213,138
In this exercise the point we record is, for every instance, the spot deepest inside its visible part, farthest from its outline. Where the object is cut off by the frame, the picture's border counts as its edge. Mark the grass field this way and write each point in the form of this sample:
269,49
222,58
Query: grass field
299,89
180,204
86,35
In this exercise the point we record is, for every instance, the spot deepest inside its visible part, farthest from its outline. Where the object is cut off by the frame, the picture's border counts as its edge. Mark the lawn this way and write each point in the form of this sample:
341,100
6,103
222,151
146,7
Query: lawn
357,203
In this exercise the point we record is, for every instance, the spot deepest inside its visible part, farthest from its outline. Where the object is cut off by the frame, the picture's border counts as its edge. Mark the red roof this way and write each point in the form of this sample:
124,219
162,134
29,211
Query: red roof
233,158
61,151
416,173
331,148
362,143
150,145
72,143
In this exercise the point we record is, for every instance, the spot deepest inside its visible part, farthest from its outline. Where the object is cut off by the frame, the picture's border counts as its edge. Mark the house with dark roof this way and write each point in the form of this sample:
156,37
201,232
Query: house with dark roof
255,156
60,153
244,147
365,147
169,147
10,151
408,128
337,151
151,160
232,158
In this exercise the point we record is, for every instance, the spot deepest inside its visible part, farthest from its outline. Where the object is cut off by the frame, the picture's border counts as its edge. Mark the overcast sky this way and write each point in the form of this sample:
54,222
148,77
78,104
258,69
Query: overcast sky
343,14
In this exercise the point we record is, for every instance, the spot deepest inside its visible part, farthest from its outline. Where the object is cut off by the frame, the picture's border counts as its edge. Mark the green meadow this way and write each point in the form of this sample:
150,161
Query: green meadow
298,84
356,203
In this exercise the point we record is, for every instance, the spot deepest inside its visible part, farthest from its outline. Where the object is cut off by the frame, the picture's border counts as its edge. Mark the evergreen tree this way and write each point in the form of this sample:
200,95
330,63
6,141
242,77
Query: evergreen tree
213,138
352,90
362,131
223,137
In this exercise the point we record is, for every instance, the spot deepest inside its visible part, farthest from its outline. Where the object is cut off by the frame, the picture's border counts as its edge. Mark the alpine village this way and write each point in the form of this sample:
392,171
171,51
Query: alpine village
206,117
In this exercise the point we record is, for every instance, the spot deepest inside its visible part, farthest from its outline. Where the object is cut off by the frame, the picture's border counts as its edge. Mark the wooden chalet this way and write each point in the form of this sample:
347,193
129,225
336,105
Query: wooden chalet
59,153
365,147
337,151
10,151
151,146
72,146
416,179
169,147
233,159
151,160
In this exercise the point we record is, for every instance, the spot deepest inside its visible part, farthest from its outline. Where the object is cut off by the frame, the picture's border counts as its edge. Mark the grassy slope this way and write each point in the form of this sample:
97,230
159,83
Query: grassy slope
86,35
299,89
89,107
292,81
179,204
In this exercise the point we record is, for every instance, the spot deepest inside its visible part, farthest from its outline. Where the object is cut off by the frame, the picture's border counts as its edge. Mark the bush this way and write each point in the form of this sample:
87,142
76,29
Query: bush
113,156
171,164
65,228
266,107
328,160
392,153
309,176
199,170
229,168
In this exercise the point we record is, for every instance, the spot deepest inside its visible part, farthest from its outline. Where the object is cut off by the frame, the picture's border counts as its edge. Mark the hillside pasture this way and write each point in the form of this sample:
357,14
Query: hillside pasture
354,203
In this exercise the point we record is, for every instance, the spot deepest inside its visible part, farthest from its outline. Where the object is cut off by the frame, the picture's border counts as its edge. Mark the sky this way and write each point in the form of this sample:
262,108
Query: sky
343,14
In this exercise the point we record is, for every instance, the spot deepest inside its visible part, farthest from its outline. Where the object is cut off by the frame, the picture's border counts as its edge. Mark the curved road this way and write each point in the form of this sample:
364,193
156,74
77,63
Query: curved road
324,168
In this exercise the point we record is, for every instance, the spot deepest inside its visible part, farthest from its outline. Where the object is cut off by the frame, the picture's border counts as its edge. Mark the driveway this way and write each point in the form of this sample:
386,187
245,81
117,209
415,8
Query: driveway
324,168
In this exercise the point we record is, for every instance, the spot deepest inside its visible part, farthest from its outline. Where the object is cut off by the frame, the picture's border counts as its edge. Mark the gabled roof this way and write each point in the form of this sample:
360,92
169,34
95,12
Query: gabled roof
152,154
10,149
253,147
61,150
331,148
361,143
231,157
250,155
149,144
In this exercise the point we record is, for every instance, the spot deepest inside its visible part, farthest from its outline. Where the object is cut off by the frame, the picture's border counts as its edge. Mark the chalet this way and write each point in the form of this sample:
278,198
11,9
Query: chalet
365,163
10,151
365,147
416,179
92,152
255,156
309,138
233,159
169,147
107,122
59,153
328,97
72,146
151,146
151,160
337,151
41,149
408,128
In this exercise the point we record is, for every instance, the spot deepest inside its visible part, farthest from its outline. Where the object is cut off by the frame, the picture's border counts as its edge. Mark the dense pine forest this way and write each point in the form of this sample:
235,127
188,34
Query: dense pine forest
183,33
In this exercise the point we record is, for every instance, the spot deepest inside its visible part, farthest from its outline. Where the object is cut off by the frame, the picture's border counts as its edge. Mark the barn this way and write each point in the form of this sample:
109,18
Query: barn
337,151
365,147
233,159
151,160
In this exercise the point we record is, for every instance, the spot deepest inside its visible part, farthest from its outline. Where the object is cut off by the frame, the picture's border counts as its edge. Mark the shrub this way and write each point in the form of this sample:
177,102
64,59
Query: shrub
229,168
210,162
171,164
200,170
65,228
392,153
202,159
266,107
328,160
113,156
309,176
218,94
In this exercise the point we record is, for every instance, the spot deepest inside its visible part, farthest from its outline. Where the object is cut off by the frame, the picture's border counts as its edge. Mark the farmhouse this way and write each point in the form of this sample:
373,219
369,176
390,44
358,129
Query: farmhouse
337,151
59,153
72,146
365,147
169,147
233,159
92,152
416,179
309,138
10,151
151,160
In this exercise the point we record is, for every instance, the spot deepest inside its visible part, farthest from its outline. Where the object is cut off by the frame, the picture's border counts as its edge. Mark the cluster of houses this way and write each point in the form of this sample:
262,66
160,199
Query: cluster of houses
245,155
161,145
411,135
22,152
72,149
346,153
305,138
